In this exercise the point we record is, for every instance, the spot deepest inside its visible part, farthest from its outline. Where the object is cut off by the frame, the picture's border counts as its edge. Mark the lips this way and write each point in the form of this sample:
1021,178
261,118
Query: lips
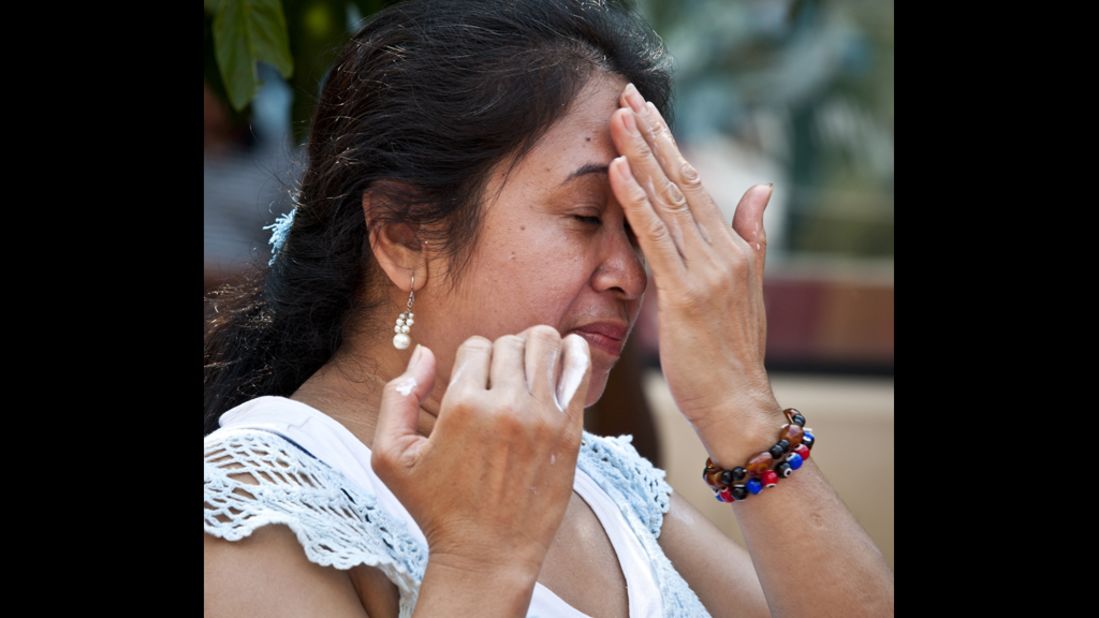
607,336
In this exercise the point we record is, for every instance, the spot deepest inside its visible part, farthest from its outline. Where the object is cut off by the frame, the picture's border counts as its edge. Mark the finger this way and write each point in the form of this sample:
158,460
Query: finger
668,201
748,221
508,365
668,160
543,347
652,234
572,389
396,440
471,364
706,213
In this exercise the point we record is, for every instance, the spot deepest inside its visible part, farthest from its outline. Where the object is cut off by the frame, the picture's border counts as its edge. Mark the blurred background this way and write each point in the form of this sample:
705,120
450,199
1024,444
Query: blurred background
795,92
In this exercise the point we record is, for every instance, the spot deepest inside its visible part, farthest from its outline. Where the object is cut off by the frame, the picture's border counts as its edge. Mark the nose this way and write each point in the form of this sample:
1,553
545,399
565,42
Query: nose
622,266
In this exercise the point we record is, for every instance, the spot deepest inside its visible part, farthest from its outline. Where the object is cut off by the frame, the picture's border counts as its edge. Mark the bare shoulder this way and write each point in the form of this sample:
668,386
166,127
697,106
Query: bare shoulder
268,574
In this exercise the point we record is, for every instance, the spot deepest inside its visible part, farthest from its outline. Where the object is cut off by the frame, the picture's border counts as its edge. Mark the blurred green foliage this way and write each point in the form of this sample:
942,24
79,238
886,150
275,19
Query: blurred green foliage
300,38
806,84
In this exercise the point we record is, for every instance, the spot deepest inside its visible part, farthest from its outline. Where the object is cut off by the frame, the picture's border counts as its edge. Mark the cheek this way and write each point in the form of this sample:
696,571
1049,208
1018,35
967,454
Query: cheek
548,264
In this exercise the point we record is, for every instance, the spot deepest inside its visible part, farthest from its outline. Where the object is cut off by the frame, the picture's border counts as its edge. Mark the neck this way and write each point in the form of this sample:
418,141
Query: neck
349,388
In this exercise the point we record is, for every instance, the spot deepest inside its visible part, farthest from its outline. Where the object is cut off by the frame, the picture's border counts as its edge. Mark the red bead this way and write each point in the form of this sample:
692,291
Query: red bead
770,478
803,451
726,495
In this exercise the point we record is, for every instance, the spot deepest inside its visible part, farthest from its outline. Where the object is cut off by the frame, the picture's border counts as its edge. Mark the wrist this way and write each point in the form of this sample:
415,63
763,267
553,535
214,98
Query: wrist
732,439
508,566
460,585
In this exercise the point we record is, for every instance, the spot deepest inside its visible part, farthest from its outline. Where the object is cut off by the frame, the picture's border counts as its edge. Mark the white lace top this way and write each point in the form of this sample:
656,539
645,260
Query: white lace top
315,477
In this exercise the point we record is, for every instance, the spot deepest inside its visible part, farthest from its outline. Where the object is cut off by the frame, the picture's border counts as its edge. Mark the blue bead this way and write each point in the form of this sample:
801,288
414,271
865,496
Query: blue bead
794,460
755,486
717,496
808,439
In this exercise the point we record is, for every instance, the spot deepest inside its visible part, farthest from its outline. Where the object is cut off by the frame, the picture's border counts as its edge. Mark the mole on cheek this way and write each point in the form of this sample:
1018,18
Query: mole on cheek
522,228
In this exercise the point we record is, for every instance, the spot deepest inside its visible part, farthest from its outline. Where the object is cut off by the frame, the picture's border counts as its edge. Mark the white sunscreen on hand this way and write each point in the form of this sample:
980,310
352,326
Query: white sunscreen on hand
406,385
571,377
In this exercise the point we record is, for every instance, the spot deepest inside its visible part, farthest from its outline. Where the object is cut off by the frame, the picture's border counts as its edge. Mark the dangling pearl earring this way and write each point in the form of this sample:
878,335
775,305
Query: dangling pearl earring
404,321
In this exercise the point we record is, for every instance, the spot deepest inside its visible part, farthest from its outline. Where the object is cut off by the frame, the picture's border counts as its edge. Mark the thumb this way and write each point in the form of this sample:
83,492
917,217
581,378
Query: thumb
748,218
395,438
572,389
748,221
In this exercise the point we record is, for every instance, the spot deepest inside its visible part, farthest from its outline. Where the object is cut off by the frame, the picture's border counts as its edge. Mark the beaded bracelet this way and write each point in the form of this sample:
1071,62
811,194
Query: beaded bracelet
791,451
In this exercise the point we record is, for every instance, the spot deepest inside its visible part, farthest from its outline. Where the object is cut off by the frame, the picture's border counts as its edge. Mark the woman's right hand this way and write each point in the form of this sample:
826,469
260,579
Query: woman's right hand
490,486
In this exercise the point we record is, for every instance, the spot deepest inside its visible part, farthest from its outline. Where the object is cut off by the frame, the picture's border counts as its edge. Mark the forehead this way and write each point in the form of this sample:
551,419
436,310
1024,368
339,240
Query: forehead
588,120
580,137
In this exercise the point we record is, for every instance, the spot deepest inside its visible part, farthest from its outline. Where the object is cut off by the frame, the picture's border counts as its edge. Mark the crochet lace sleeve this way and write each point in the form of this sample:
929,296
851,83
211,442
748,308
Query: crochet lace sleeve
254,478
618,466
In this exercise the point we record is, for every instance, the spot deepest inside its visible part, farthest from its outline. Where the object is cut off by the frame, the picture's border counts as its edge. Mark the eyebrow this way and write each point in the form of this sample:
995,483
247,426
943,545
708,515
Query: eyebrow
589,168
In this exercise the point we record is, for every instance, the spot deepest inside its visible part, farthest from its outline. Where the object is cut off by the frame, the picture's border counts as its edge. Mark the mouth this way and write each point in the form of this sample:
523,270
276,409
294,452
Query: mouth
610,337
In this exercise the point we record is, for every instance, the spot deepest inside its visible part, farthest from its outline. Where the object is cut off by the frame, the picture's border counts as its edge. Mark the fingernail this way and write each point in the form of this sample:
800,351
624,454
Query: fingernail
416,355
633,97
624,169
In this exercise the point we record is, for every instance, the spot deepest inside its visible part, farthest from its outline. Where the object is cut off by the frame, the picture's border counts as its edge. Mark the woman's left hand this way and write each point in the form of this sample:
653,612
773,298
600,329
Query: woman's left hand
709,282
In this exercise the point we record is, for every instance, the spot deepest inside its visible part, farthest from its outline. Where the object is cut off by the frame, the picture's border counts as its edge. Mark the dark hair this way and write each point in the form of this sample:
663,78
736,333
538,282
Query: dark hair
419,107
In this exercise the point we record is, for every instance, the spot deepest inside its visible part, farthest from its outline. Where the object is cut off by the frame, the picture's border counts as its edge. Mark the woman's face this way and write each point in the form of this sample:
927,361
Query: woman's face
554,248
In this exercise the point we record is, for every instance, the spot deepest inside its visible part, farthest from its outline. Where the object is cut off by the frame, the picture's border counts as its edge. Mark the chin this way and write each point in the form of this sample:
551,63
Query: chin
595,390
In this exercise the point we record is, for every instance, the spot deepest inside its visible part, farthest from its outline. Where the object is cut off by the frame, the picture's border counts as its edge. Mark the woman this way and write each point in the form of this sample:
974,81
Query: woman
492,173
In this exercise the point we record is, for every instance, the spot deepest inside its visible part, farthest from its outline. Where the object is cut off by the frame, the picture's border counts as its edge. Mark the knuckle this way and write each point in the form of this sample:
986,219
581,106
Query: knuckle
508,414
544,333
690,176
673,196
576,340
460,402
476,342
655,132
658,231
509,340
638,196
719,279
686,297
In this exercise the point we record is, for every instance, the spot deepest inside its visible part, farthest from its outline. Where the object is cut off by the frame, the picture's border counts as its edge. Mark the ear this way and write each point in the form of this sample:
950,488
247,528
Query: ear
396,247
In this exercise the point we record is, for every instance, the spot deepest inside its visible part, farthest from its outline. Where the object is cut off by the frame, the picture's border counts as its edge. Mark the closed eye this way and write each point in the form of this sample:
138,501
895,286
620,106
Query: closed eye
588,220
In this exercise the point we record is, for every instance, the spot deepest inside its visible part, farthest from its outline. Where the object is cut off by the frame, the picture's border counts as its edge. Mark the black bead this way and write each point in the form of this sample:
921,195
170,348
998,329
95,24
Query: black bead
784,470
727,477
785,444
799,420
739,473
739,492
808,441
777,450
